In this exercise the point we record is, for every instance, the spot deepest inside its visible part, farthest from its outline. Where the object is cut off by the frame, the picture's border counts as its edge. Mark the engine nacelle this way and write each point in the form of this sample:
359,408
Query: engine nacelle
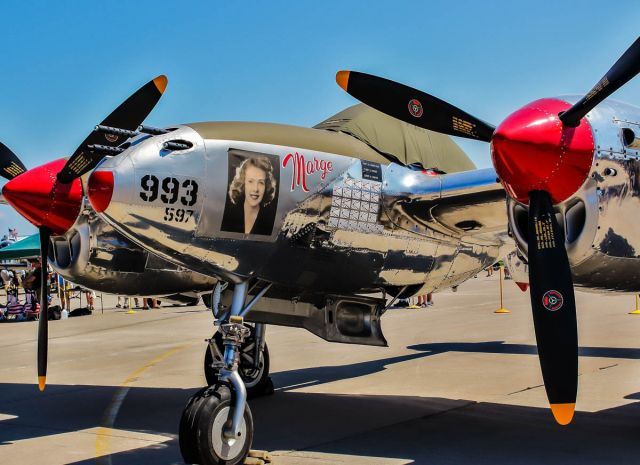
91,253
599,219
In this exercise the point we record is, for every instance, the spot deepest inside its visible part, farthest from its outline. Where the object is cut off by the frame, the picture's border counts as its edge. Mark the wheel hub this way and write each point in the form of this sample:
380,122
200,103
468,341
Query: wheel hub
227,449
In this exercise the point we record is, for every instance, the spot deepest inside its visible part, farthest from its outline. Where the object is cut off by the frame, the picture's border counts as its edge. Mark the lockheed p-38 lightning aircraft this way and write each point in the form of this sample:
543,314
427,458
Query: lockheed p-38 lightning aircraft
307,224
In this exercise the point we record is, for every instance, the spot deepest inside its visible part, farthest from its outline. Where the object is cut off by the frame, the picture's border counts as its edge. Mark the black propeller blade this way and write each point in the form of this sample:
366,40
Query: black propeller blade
413,106
10,164
627,66
554,307
43,324
129,115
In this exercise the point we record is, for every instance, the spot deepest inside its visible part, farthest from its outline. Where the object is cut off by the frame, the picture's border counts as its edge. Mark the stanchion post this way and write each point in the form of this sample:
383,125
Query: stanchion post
637,310
131,311
501,309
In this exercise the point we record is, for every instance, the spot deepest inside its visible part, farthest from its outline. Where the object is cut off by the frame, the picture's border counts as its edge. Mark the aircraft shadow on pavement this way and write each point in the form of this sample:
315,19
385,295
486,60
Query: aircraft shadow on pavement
416,429
306,377
500,347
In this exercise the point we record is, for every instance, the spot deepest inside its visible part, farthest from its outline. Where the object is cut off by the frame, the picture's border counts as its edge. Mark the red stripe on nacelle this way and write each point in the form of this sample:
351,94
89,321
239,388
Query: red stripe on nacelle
100,190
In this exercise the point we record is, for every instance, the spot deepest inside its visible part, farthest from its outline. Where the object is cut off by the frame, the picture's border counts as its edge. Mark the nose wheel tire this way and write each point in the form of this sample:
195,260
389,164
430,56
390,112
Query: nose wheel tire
256,380
201,429
187,433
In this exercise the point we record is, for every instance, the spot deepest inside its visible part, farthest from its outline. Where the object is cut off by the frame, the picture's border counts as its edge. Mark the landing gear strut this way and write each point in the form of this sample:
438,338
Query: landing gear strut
216,427
253,365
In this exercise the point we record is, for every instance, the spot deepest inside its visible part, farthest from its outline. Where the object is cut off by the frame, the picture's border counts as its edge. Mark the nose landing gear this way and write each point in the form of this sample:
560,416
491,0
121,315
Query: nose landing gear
216,427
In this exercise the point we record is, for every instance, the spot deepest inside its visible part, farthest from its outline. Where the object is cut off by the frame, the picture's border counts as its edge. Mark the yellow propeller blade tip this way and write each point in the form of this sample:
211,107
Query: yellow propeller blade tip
161,83
563,413
42,382
342,78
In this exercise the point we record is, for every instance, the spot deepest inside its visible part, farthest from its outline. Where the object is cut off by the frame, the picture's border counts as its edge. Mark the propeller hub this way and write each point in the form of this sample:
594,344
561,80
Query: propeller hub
533,150
43,200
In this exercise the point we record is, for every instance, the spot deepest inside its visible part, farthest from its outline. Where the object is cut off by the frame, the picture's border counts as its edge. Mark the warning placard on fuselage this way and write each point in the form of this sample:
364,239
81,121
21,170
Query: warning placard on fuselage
371,171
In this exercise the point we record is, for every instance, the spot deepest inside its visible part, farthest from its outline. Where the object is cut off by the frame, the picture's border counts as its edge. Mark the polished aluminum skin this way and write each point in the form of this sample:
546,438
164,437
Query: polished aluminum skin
94,255
518,267
355,226
600,219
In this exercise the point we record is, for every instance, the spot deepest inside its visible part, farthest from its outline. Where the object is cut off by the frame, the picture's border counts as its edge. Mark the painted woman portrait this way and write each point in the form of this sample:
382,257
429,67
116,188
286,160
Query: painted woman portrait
250,207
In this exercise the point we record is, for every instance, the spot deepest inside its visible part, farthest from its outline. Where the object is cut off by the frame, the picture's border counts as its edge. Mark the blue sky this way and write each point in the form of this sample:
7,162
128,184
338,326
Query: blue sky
67,64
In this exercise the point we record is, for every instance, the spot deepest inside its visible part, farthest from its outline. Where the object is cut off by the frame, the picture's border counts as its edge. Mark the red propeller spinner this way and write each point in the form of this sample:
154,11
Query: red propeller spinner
43,200
533,150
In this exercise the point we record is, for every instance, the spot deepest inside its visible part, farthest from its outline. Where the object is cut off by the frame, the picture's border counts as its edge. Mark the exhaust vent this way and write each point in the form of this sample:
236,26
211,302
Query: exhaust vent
74,245
521,217
61,252
630,139
574,219
353,319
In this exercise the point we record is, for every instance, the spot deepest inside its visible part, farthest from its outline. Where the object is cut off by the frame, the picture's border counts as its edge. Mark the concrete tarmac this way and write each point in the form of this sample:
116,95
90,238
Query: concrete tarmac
458,384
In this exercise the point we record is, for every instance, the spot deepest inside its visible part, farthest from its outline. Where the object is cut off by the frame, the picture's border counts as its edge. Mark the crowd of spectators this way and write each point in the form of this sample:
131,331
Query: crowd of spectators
9,238
21,280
